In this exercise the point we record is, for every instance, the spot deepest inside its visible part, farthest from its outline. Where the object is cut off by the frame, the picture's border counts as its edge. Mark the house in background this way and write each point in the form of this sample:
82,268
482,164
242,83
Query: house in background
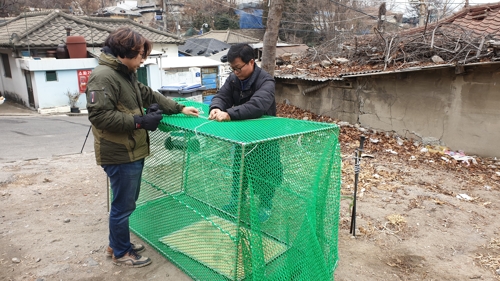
211,77
188,70
282,49
34,74
229,36
118,12
202,47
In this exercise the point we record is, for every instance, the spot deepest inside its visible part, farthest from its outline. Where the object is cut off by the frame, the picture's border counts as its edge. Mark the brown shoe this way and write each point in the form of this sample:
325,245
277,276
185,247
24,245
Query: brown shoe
136,247
132,259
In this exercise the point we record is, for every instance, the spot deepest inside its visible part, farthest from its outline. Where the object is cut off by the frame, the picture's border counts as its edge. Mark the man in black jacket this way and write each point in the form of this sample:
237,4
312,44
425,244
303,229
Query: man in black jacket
248,93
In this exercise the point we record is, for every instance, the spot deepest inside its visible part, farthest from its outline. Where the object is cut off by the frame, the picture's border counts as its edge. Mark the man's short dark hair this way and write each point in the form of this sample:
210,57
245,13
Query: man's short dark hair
127,43
242,51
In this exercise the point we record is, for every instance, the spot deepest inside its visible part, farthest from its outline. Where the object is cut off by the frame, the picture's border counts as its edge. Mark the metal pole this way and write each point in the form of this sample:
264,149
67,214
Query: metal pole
356,176
86,139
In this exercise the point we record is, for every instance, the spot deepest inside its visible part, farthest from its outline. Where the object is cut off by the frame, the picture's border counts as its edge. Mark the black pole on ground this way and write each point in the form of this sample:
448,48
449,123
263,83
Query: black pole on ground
357,160
86,139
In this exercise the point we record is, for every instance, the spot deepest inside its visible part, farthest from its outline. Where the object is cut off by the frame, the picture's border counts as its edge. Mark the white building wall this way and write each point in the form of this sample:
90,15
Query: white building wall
15,86
52,93
158,78
181,75
49,94
168,50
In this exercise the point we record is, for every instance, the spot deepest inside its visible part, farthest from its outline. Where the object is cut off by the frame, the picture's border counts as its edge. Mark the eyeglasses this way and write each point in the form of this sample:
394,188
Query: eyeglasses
237,69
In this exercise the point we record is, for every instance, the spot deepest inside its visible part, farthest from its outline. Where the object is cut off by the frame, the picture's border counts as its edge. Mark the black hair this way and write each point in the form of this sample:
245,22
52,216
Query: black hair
242,51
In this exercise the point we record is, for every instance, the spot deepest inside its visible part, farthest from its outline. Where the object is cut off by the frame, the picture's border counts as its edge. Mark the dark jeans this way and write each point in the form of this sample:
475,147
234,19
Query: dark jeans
125,180
262,169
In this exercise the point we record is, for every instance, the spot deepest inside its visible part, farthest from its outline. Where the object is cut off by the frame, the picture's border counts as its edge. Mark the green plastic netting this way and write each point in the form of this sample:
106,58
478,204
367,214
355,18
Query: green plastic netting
242,200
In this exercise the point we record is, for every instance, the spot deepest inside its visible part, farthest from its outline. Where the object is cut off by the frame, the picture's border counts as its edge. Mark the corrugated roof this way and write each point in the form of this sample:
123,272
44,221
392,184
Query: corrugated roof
306,77
47,29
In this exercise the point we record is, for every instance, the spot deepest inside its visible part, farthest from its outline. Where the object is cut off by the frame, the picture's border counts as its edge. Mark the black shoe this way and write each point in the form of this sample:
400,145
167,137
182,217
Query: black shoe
136,247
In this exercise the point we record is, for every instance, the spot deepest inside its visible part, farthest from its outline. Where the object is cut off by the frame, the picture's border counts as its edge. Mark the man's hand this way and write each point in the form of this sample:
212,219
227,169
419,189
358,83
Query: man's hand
222,116
213,113
189,110
152,108
149,121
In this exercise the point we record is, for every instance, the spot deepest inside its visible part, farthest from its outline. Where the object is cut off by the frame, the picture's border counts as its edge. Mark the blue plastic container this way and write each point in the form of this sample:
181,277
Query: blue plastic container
208,99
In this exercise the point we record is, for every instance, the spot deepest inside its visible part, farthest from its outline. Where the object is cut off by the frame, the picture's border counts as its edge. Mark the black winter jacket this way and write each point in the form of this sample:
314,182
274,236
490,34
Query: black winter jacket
255,100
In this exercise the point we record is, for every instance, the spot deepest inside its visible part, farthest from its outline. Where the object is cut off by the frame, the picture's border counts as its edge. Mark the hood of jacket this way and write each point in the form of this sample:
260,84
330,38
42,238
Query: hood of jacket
110,60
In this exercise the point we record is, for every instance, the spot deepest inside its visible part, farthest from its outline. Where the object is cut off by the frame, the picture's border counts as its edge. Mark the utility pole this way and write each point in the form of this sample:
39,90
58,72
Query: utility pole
165,15
421,18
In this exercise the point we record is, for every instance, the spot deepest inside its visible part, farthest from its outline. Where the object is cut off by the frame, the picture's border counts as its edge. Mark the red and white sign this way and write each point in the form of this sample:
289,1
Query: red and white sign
83,77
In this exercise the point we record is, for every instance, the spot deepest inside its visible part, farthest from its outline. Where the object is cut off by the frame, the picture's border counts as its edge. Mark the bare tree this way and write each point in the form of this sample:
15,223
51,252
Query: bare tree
89,6
10,7
271,36
434,10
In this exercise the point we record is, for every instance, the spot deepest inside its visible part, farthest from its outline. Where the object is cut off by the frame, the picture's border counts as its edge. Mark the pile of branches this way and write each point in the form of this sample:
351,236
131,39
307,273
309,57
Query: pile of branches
444,43
436,44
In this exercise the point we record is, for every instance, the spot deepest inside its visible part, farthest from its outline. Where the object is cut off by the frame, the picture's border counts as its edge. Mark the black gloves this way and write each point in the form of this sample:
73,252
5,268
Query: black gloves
152,108
151,120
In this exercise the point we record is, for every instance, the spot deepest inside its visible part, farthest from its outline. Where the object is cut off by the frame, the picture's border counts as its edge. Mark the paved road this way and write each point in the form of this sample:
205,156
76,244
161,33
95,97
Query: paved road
43,136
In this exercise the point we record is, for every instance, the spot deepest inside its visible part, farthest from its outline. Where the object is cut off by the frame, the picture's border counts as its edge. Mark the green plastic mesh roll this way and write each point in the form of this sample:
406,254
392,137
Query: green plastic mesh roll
242,200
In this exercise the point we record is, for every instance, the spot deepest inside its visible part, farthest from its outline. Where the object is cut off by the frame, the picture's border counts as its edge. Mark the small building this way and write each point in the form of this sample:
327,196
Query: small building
35,74
118,12
189,70
202,47
229,36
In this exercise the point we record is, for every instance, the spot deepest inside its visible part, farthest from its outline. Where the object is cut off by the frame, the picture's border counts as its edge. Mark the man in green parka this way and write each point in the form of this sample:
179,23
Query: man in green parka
115,102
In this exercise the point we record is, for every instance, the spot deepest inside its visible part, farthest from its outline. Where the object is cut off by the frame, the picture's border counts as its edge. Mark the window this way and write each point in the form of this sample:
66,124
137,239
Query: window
50,76
6,65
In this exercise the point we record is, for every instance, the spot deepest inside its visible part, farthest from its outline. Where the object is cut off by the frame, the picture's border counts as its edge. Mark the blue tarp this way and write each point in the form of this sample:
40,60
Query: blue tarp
250,18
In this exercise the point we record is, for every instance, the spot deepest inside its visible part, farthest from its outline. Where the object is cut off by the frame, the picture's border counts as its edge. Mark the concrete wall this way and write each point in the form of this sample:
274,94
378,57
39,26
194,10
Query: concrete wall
338,100
461,111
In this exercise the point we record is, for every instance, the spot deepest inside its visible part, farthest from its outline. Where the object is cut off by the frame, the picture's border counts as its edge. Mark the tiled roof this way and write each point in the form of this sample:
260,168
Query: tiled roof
154,35
47,29
482,19
228,36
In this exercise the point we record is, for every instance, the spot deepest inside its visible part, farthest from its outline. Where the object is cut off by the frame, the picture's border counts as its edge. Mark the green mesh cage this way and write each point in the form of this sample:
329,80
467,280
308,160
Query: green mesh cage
242,200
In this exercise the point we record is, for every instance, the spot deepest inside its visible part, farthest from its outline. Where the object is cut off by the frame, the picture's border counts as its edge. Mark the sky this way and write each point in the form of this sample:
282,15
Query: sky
457,5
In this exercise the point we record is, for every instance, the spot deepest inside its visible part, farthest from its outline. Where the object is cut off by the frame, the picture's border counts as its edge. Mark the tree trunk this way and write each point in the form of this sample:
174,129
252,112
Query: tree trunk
271,36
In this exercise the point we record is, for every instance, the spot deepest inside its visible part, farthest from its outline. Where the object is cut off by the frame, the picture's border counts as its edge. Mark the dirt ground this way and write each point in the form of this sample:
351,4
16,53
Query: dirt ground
411,223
